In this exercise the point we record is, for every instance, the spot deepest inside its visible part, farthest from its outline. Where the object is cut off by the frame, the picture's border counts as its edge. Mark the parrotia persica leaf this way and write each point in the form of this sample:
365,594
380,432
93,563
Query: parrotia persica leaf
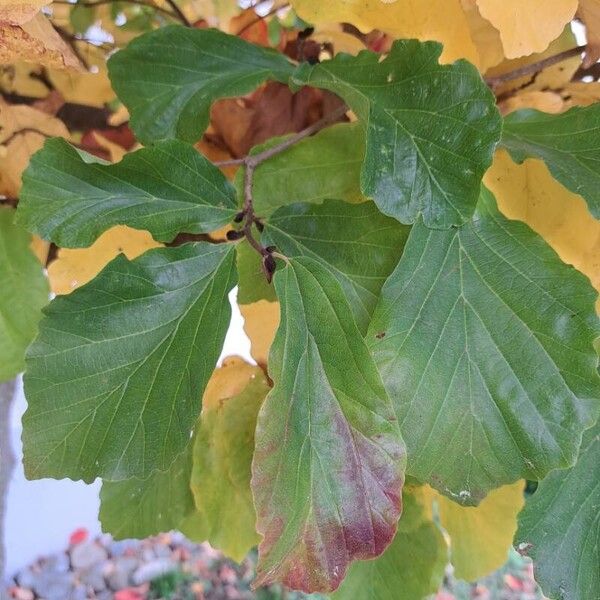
484,340
529,193
23,293
560,528
329,459
168,78
137,508
358,244
567,143
71,198
326,165
480,536
115,378
223,450
410,569
431,128
527,27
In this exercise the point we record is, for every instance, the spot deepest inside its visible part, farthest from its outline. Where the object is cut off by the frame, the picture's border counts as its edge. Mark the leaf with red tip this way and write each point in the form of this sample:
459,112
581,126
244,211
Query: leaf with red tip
329,461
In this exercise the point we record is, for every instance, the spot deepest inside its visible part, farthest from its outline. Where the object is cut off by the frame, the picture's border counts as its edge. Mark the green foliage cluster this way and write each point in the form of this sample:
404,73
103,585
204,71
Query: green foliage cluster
422,332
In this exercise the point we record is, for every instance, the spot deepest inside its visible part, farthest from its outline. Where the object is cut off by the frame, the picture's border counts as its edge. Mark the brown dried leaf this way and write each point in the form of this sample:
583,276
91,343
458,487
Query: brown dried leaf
36,41
17,12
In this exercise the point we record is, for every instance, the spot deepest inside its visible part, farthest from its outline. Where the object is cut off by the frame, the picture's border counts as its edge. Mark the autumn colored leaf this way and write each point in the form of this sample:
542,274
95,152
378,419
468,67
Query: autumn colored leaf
411,568
223,449
17,12
529,193
554,77
23,130
567,143
36,41
440,20
72,268
453,342
521,29
329,460
261,320
480,536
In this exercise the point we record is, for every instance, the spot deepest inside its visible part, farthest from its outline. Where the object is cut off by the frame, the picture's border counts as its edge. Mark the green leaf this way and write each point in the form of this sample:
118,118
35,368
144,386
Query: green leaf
431,129
253,285
169,78
329,460
70,198
115,377
358,244
410,569
484,340
223,450
138,508
560,528
567,143
326,165
23,293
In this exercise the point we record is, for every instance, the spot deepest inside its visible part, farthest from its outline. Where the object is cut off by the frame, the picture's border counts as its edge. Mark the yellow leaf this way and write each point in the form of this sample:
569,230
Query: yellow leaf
480,536
333,33
529,193
580,94
441,20
90,87
223,450
17,12
25,128
227,381
36,41
589,11
484,35
74,267
261,320
553,77
527,26
40,248
549,102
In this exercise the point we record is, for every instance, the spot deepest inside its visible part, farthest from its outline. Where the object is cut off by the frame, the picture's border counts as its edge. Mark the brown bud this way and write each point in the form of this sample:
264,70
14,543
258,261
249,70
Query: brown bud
269,265
233,235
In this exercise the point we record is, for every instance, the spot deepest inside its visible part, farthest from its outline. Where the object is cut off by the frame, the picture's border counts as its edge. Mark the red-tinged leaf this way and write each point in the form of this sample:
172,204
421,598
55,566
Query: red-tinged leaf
329,460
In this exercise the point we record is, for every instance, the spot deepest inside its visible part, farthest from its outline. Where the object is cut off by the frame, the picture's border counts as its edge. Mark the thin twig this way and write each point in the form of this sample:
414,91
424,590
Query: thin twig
179,13
253,161
534,68
138,2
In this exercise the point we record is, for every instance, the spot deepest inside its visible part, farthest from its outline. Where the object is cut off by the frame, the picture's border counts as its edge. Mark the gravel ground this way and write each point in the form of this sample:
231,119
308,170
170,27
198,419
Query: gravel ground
170,566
